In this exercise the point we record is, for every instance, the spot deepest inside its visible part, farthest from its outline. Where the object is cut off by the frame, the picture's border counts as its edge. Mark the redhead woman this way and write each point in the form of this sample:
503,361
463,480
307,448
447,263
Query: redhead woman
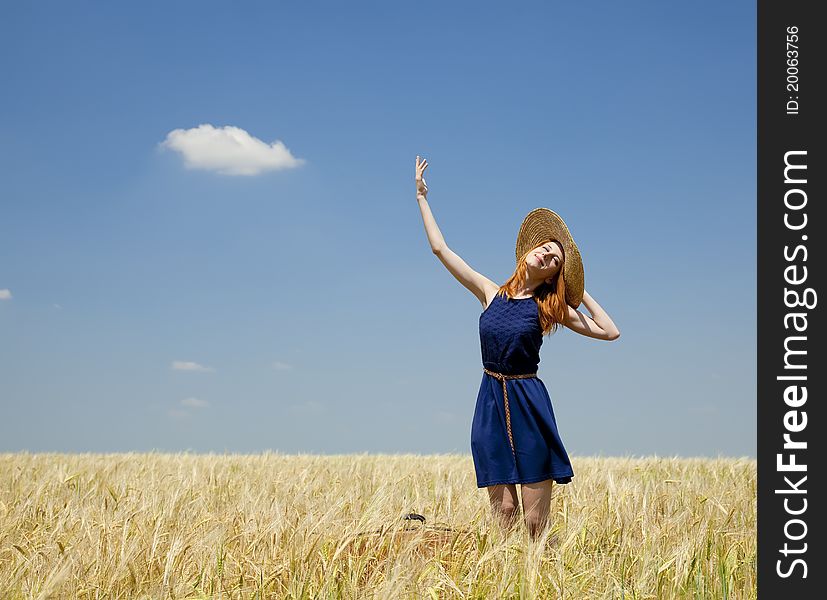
514,436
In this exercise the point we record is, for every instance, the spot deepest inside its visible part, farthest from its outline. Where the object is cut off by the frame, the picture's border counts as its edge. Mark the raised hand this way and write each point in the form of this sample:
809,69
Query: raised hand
421,186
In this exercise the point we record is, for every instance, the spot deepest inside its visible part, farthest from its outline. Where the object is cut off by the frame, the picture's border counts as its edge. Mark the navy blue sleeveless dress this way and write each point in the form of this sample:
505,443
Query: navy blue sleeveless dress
510,340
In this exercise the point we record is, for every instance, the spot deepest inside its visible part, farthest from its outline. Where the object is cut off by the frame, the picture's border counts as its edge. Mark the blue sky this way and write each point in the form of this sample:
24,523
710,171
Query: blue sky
148,304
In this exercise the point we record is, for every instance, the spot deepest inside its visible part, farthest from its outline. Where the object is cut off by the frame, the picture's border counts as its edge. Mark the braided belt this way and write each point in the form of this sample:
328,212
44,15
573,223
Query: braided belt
502,377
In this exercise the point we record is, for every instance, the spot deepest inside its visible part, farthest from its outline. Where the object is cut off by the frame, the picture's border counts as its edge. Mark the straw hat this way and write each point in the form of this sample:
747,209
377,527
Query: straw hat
542,224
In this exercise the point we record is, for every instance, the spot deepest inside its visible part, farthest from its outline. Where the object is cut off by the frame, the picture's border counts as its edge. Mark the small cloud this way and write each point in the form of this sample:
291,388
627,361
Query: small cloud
185,365
280,366
5,294
177,412
58,306
229,150
194,403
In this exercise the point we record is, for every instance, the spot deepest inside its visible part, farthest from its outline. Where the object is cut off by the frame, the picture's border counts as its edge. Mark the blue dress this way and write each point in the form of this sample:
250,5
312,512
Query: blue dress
510,340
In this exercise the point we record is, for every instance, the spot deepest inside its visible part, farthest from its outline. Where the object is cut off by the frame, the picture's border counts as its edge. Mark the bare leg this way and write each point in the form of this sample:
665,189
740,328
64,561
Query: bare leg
504,504
536,506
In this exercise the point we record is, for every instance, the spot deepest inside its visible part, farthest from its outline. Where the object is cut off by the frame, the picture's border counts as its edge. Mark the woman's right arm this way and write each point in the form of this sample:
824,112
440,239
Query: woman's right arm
434,234
476,283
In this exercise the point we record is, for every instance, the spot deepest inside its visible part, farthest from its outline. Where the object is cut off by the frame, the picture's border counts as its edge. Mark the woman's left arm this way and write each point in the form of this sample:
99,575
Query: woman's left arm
599,326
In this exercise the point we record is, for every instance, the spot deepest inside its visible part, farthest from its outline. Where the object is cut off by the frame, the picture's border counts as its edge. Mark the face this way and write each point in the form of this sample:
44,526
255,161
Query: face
545,260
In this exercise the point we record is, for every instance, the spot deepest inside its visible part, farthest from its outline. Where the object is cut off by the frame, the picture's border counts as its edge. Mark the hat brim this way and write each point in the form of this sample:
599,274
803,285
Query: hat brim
542,224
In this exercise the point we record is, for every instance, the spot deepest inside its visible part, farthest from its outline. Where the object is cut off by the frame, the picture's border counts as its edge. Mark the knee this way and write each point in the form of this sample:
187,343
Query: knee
508,510
535,522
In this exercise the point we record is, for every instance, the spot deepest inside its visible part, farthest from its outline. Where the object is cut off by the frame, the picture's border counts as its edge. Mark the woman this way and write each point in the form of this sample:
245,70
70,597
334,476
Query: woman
514,436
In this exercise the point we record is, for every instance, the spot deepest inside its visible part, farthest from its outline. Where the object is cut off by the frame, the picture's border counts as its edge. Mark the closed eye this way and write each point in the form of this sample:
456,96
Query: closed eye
554,259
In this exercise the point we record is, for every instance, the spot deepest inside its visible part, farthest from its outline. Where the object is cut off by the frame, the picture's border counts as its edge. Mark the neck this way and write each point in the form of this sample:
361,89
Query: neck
529,285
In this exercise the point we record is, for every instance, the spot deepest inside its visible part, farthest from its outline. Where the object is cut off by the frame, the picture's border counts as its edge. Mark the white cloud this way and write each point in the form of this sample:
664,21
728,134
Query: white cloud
280,366
185,365
194,403
229,150
5,294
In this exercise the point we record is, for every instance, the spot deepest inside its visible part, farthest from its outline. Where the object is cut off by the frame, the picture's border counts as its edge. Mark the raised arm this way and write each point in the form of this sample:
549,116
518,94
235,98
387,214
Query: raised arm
599,326
477,284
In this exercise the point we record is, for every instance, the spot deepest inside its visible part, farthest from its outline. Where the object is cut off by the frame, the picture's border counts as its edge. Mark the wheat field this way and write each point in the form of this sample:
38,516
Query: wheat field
275,525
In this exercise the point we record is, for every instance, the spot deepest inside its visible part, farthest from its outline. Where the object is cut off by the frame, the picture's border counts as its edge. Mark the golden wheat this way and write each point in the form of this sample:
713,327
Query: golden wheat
313,526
